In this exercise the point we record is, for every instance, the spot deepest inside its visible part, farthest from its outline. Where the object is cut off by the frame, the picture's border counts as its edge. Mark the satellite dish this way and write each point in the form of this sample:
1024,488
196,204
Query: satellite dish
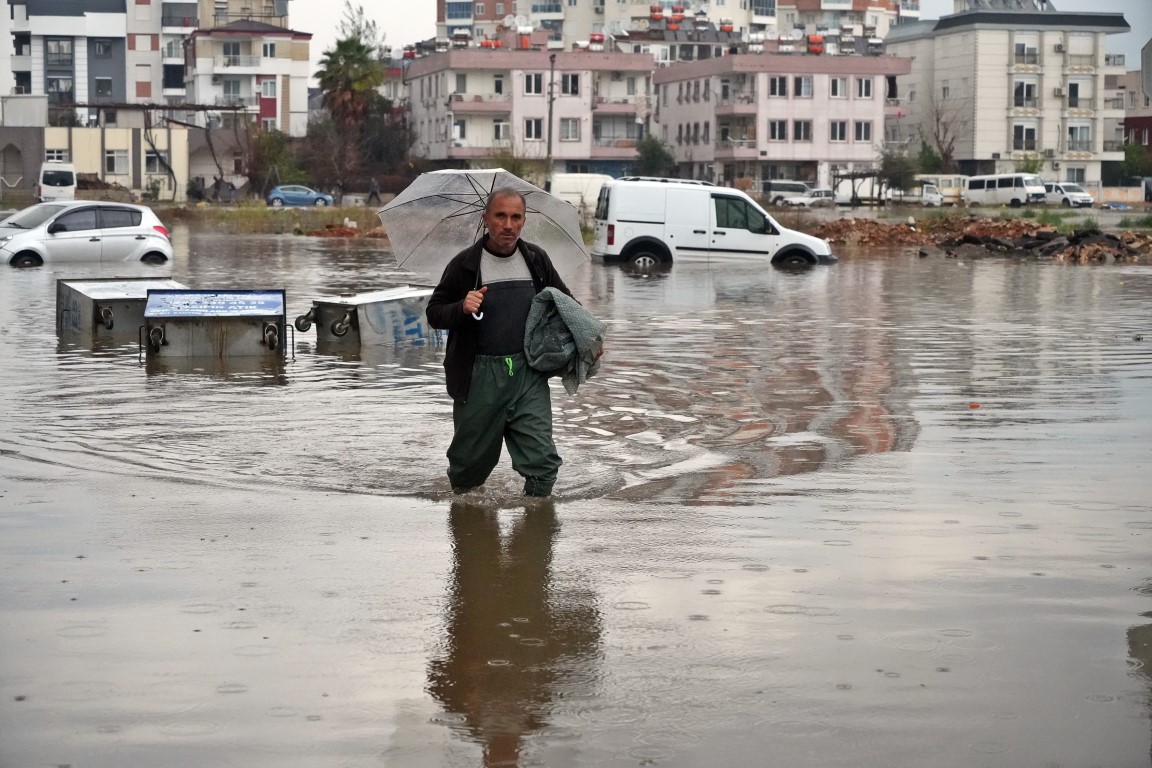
509,21
521,21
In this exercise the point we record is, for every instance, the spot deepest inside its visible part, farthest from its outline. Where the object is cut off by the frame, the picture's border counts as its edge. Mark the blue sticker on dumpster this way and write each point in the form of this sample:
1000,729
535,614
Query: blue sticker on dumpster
165,303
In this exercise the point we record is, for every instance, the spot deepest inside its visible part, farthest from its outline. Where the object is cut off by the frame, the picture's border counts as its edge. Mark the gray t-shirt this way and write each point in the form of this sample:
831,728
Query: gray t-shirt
506,304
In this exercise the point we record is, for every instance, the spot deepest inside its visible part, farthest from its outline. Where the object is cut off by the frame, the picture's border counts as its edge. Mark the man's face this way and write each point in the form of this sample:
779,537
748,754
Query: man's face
504,220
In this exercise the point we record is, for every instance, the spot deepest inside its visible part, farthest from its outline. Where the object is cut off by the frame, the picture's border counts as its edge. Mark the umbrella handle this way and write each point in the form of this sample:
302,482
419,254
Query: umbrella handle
478,315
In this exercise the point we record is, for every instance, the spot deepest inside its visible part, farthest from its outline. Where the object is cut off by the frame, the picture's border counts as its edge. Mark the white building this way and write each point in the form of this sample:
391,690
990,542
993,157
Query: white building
1010,82
469,105
748,118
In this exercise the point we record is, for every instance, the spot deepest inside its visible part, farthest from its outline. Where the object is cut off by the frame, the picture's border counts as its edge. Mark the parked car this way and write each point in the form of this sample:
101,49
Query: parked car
83,231
1067,194
297,194
813,198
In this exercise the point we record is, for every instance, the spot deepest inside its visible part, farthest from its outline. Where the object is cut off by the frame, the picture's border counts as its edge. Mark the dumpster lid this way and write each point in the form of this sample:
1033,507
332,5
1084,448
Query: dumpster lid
204,303
371,297
120,287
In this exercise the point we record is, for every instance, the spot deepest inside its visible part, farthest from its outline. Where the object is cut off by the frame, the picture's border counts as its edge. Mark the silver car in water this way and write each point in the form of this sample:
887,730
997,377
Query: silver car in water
83,231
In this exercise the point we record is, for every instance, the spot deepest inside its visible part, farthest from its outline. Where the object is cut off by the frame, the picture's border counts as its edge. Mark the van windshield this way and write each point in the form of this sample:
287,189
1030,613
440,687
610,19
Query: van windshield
1073,188
33,217
57,179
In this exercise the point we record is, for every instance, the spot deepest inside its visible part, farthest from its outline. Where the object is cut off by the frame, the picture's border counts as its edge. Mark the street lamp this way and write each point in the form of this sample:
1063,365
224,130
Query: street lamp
551,98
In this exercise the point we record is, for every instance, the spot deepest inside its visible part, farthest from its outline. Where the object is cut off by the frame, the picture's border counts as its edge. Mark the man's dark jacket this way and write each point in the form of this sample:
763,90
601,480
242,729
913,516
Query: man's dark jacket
446,310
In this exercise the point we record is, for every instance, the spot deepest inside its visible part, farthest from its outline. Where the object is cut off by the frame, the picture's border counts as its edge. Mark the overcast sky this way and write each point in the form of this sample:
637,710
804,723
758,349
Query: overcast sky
406,21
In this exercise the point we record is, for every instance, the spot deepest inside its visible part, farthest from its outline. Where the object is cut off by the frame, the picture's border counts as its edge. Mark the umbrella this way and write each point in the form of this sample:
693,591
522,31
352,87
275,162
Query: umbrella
439,215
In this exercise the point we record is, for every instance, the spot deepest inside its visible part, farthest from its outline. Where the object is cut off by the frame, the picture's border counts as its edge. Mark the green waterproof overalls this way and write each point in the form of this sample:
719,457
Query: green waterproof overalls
507,402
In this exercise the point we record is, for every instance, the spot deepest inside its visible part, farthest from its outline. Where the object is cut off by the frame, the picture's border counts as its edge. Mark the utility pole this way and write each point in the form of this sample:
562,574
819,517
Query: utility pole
551,98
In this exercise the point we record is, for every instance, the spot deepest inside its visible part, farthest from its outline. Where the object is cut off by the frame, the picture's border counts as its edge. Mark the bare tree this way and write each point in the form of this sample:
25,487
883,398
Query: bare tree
945,120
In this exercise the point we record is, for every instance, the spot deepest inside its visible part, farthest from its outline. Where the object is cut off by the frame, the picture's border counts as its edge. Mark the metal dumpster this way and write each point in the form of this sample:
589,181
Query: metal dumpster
390,316
104,308
215,324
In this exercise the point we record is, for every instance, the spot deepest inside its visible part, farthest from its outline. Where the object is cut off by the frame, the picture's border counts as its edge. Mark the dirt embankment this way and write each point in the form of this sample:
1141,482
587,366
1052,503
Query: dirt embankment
971,238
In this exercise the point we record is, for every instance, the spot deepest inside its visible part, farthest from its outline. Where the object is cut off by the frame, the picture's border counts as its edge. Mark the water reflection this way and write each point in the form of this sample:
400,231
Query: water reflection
518,636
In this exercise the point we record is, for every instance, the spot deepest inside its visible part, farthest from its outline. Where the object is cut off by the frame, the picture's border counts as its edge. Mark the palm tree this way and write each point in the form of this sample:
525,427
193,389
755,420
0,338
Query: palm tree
349,75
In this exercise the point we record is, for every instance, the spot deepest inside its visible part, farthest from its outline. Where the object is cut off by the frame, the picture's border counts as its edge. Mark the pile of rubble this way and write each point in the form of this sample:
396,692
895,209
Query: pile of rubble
969,237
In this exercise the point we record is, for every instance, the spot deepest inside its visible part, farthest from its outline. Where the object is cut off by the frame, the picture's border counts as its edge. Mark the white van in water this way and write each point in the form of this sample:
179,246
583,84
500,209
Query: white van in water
647,221
57,181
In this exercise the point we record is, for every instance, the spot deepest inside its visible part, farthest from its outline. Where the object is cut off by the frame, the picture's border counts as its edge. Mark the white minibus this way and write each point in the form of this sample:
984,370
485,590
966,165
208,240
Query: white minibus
1014,189
57,181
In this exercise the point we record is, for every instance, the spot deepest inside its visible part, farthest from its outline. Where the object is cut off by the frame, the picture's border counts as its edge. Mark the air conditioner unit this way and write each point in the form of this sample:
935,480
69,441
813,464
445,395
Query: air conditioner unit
215,79
1049,153
995,155
1058,92
598,8
1059,47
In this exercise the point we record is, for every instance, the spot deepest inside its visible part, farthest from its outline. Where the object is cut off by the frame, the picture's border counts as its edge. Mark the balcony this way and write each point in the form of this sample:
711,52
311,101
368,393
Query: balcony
736,149
1028,58
1113,146
1114,60
1079,145
547,11
180,22
614,141
1116,103
1081,61
1024,145
237,62
480,103
237,101
614,105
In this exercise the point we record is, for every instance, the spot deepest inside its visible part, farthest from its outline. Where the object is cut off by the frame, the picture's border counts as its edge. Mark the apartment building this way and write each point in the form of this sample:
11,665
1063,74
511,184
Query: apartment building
749,118
1003,82
1136,128
97,58
580,111
569,22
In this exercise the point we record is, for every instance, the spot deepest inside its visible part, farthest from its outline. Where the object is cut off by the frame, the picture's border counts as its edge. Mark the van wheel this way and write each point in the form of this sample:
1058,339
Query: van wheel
153,258
1015,203
644,259
794,259
26,259
1066,203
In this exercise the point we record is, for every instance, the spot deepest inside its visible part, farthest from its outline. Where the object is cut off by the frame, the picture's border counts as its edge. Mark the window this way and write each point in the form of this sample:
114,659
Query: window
534,83
1074,95
268,124
778,130
1024,138
499,9
838,87
533,129
62,154
1025,54
479,11
102,49
1024,95
501,130
945,92
59,89
734,213
863,131
461,82
268,89
569,129
863,88
112,218
103,87
838,130
57,53
109,117
155,162
231,54
1079,138
498,84
78,221
630,86
778,86
802,130
116,162
802,87
268,50
1077,175
570,84
459,129
231,87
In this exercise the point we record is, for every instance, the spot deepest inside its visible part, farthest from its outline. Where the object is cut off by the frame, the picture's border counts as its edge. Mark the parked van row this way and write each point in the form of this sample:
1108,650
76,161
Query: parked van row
651,221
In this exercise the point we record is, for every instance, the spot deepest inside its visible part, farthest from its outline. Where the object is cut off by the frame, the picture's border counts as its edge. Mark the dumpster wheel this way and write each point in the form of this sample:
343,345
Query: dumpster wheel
341,326
304,322
156,338
272,336
106,317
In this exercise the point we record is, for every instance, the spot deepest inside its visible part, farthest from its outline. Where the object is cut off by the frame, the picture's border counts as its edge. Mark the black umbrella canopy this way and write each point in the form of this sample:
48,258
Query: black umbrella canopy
440,214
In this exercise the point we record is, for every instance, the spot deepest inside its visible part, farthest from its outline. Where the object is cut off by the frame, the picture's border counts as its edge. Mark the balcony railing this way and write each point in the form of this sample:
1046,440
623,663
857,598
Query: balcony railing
547,8
179,21
223,62
1114,103
1114,60
1024,145
736,144
613,141
238,101
1029,57
735,97
1024,103
1082,60
1079,145
1113,145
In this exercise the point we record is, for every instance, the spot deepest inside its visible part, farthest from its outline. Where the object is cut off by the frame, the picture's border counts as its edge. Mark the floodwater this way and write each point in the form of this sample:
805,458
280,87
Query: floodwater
895,512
